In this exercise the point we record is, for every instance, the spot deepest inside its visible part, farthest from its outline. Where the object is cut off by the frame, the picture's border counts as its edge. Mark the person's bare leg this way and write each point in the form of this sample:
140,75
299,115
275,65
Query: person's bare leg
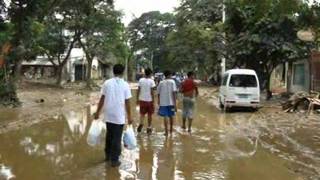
142,117
149,120
165,120
189,124
149,128
171,125
184,123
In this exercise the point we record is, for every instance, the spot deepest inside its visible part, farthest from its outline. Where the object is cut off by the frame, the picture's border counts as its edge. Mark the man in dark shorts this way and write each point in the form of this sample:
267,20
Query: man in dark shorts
189,90
145,99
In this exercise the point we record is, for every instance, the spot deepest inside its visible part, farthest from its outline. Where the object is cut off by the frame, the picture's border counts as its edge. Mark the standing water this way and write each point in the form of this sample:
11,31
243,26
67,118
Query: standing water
264,145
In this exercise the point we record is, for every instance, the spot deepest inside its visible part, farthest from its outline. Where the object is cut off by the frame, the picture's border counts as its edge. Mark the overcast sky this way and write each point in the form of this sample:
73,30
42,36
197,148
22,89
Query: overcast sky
133,8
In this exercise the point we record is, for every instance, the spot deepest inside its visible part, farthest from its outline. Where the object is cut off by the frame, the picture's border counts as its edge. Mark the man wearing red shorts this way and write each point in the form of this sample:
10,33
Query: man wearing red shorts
145,99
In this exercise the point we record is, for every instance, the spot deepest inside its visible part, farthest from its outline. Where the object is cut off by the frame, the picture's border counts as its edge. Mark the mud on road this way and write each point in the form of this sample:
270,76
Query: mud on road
43,103
47,140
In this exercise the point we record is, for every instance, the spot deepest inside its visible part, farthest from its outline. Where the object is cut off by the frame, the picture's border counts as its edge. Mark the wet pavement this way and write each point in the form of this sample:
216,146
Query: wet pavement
264,145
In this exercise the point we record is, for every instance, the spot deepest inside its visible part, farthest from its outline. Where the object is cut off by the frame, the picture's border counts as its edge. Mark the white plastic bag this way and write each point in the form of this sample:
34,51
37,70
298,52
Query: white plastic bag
94,134
129,139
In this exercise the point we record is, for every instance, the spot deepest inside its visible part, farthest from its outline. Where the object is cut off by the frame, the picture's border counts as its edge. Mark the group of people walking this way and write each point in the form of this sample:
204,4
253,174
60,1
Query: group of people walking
115,99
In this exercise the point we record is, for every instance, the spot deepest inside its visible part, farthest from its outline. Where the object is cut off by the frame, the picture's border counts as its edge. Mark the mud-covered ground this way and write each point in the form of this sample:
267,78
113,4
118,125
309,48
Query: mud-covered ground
47,140
43,103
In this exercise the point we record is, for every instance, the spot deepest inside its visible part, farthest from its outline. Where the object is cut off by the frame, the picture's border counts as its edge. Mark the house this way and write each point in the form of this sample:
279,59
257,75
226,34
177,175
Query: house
315,71
74,70
298,76
41,67
302,75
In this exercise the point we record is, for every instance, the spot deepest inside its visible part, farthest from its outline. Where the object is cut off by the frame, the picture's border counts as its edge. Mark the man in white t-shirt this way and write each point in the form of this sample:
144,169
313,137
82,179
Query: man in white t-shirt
167,100
145,99
115,98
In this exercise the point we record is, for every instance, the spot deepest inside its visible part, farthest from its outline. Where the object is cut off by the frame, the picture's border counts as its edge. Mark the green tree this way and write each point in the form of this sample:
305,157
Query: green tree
18,35
102,31
26,17
74,22
147,35
262,38
56,43
308,18
196,41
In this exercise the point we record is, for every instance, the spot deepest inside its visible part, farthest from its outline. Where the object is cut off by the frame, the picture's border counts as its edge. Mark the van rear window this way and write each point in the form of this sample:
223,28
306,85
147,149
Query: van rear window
241,80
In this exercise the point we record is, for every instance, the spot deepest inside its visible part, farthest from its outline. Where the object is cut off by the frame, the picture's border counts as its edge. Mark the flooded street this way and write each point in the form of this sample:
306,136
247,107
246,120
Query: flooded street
264,145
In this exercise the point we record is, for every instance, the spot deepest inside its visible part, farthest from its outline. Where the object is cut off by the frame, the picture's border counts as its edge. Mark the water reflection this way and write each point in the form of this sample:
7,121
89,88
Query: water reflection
186,164
49,149
147,162
166,160
77,122
6,173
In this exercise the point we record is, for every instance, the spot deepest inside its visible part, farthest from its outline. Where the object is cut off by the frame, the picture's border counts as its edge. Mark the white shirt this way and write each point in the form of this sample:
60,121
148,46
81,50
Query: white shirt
165,89
116,91
146,85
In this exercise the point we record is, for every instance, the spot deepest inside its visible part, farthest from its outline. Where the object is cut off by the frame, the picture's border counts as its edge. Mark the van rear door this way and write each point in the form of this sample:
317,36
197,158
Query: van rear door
243,87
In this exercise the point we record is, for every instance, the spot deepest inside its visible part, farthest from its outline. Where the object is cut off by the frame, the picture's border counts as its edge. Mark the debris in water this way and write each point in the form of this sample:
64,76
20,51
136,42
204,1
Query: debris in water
40,100
5,172
302,101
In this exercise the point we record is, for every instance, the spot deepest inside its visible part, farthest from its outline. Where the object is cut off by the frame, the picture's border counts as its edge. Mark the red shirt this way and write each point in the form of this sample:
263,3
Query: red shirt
188,85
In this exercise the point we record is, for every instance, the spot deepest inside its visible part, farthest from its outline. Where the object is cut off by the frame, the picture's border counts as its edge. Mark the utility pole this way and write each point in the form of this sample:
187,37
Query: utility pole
126,69
151,61
223,59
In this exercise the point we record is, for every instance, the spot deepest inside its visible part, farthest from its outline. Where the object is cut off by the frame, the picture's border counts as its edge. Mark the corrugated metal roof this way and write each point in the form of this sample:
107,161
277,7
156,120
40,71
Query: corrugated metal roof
40,61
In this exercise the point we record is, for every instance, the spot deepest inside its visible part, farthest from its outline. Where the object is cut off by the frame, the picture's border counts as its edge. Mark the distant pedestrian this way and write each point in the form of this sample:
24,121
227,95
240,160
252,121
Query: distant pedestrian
176,79
115,98
167,100
189,90
145,99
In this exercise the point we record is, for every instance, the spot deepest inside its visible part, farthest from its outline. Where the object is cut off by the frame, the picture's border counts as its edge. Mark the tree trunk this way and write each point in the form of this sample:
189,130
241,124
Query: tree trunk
283,76
59,74
131,67
17,70
89,68
126,70
289,77
219,78
268,88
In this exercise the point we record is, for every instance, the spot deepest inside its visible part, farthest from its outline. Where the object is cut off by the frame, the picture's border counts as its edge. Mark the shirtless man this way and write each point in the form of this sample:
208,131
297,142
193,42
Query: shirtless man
189,90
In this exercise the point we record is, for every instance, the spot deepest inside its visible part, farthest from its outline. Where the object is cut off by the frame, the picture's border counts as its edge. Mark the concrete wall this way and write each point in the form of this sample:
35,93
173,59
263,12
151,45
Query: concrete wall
278,84
300,77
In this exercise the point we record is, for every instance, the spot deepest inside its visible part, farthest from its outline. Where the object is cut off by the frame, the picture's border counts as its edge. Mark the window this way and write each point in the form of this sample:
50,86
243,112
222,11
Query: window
241,80
225,79
298,74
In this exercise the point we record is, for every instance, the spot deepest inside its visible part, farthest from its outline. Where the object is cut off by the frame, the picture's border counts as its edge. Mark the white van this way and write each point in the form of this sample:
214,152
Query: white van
240,88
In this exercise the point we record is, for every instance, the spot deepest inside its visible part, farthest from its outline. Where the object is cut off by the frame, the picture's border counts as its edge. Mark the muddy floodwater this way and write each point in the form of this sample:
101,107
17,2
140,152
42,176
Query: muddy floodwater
263,145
